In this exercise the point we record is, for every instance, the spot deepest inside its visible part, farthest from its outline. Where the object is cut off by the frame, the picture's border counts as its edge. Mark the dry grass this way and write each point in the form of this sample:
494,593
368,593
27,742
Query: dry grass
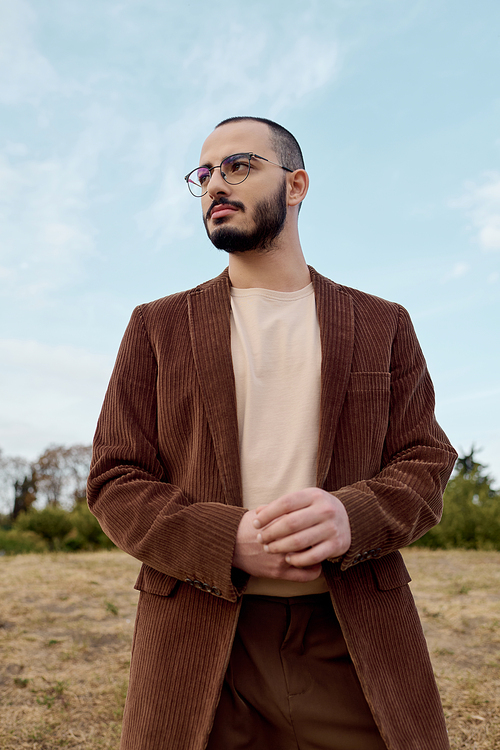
458,596
66,625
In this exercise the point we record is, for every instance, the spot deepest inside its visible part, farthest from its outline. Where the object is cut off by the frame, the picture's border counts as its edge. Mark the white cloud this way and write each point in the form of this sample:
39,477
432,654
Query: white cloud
51,394
481,202
165,219
266,74
308,65
27,76
62,363
47,228
43,233
459,269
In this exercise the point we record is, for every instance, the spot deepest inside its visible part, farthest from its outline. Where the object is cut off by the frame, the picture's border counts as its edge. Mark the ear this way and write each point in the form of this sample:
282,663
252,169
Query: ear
298,185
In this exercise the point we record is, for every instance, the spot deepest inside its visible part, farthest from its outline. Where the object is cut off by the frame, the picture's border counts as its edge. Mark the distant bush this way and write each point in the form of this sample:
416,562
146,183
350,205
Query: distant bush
57,481
51,523
17,542
86,532
54,528
471,516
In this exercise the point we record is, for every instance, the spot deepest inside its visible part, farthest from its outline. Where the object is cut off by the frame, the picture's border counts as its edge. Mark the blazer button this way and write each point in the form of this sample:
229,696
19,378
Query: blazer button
188,580
216,591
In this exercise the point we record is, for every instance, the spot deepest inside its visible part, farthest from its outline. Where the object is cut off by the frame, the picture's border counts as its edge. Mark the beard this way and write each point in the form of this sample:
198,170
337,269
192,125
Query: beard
269,220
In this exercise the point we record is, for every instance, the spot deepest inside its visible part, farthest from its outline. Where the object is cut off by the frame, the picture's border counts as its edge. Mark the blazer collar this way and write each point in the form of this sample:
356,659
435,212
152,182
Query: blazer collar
210,327
209,309
336,323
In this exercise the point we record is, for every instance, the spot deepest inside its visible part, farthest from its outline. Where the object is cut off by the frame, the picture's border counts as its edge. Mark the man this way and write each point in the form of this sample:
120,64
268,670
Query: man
266,445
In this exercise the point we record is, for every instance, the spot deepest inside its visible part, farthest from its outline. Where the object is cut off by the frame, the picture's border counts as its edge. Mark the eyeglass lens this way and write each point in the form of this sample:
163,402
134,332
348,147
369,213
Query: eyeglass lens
234,170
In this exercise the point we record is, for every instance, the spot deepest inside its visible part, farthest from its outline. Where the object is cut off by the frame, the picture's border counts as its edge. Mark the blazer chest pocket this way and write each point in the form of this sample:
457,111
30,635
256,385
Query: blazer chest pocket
364,420
154,582
369,381
368,395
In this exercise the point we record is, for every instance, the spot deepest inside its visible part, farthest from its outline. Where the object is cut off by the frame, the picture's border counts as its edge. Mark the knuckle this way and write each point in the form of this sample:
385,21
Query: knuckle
287,504
331,528
293,523
329,510
282,568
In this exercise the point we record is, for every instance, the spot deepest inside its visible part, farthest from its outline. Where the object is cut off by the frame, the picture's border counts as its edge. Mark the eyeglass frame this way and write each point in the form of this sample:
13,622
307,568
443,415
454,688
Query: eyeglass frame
249,154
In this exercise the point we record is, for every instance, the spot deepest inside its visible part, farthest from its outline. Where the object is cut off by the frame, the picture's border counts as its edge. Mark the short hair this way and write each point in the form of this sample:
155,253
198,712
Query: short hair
283,142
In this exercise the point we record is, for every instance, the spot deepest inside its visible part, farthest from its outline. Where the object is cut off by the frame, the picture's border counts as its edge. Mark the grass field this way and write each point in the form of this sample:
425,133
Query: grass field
66,623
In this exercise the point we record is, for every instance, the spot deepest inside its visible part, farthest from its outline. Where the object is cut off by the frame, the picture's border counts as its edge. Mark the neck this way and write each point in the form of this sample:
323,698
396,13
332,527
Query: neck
280,268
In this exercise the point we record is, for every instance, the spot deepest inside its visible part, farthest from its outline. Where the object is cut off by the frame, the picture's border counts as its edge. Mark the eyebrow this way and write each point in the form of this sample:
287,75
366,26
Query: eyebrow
208,165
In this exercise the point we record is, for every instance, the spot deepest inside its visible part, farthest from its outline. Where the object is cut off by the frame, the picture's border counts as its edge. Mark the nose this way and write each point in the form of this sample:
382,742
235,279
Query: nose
217,184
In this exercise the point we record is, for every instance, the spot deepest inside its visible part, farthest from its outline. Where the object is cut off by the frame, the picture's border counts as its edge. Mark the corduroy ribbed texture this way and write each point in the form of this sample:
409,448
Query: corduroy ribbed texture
165,484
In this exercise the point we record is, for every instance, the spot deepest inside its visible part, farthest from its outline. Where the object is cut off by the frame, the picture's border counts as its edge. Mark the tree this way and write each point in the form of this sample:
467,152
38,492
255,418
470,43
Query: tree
62,473
471,516
57,477
24,495
14,471
78,459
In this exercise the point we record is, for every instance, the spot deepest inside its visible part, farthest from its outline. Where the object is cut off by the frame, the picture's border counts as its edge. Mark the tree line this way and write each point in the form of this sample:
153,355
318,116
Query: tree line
471,515
43,505
56,478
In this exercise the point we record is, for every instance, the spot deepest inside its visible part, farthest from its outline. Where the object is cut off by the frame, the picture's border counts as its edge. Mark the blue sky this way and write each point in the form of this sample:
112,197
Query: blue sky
103,109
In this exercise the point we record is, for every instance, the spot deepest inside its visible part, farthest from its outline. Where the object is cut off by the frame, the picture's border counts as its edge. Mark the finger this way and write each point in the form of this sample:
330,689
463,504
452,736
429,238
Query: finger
294,522
310,557
280,507
275,566
303,574
301,540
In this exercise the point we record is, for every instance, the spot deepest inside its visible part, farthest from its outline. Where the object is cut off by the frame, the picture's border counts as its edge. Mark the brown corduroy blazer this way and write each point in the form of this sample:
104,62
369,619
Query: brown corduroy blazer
165,485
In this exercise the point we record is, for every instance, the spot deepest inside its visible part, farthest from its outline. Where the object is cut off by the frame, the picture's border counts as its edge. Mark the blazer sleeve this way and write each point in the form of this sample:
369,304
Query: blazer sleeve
404,500
137,507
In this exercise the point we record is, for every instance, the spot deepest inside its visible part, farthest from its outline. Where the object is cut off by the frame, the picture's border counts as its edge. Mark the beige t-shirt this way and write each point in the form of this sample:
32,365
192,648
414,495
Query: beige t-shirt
276,351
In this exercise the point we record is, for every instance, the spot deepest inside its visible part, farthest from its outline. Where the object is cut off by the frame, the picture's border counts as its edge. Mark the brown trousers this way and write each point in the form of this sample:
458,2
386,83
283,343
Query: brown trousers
290,683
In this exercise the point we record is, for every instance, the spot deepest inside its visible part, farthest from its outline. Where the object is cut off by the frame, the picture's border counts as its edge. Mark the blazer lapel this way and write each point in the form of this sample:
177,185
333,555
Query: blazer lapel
336,323
210,327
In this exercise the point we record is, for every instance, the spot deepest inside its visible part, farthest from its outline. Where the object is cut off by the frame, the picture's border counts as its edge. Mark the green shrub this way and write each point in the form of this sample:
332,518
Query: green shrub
86,532
5,521
64,530
52,523
471,516
17,542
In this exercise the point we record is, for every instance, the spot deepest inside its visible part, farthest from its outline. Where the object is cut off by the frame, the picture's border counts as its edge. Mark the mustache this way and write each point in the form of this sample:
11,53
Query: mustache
225,202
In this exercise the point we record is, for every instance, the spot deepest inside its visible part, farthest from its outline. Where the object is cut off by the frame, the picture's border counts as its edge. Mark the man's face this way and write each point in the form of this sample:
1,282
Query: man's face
248,216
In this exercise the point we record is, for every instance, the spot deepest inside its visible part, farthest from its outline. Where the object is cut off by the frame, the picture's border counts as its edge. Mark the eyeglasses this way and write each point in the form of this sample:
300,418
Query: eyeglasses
234,169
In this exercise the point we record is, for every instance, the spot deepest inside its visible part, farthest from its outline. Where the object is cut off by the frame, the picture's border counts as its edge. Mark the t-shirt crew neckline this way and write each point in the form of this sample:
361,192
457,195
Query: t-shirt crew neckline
273,293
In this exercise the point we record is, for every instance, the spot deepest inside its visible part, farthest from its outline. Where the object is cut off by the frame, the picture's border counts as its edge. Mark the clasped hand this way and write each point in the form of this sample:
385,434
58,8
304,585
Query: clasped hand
290,537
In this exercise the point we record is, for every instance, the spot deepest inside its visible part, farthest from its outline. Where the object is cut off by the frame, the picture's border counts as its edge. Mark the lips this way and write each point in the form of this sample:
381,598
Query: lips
222,209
